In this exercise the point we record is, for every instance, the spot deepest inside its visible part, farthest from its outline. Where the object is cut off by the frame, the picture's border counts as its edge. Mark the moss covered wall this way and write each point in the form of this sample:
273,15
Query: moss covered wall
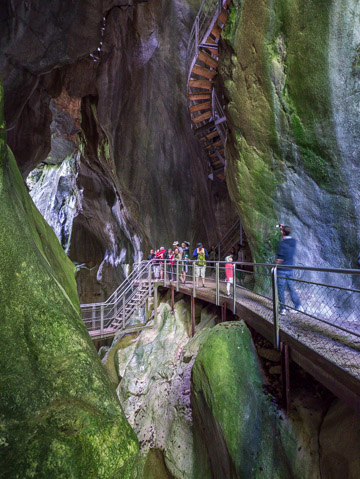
59,415
288,68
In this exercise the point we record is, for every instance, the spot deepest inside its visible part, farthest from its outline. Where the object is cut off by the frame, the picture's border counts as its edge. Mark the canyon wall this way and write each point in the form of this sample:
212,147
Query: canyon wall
290,71
106,79
59,415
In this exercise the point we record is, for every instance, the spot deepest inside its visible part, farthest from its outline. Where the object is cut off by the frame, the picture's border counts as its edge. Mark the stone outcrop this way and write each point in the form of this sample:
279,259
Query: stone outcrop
155,382
59,415
290,74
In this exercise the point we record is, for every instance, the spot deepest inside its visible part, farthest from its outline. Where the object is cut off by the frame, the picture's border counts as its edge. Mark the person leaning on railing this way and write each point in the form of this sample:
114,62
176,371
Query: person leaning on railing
285,256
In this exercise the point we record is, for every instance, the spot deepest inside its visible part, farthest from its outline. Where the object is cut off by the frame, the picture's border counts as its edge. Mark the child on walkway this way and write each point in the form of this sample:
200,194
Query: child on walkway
229,273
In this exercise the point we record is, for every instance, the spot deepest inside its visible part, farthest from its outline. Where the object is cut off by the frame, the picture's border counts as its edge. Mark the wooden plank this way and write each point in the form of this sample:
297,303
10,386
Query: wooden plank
202,117
214,145
205,84
200,106
208,59
223,16
216,31
214,51
203,72
214,155
199,96
210,136
205,128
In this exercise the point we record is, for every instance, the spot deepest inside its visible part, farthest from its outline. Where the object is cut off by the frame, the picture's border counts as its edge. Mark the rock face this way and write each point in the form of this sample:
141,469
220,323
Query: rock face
142,172
154,390
238,423
291,77
54,190
59,415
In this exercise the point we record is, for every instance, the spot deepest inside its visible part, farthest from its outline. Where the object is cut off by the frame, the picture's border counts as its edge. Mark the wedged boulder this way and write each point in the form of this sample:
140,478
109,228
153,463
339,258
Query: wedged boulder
234,418
59,414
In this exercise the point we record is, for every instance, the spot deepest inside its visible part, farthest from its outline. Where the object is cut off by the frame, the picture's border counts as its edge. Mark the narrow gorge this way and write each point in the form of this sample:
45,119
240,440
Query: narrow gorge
107,152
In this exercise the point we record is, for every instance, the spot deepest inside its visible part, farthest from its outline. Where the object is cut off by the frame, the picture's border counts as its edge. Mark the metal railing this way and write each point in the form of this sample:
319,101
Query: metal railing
231,238
116,312
327,318
206,17
323,314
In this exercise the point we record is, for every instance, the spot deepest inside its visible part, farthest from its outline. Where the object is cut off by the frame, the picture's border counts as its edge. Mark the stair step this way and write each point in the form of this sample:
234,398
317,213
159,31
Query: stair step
205,128
199,96
216,31
200,106
202,117
223,16
209,60
214,51
210,136
204,72
205,84
214,155
214,145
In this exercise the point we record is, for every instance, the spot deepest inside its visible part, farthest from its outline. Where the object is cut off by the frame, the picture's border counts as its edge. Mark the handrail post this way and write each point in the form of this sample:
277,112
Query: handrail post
150,277
165,280
197,35
177,275
123,309
102,319
93,317
275,307
234,288
193,275
217,276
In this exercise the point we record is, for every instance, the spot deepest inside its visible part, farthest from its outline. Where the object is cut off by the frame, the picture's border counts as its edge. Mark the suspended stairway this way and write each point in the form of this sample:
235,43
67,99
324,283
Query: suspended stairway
206,112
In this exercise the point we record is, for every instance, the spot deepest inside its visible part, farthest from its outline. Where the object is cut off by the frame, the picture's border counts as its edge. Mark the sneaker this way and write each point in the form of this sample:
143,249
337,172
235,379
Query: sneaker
204,286
283,311
299,310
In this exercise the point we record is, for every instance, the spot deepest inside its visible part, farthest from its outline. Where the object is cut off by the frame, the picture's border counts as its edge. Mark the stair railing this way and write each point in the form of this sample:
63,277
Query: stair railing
100,316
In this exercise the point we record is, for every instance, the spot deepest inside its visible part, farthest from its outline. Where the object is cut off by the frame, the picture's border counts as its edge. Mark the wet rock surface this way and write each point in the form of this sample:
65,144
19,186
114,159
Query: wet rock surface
289,74
59,416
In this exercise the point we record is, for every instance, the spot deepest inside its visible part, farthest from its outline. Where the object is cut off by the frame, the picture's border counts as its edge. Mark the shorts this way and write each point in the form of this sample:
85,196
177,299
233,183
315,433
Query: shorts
230,280
156,271
200,271
185,267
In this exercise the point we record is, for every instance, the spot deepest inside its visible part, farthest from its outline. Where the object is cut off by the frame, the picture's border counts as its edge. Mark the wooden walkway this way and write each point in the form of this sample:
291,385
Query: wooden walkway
330,355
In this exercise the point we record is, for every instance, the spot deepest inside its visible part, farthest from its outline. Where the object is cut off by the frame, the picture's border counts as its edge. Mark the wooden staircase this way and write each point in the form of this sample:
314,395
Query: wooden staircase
206,113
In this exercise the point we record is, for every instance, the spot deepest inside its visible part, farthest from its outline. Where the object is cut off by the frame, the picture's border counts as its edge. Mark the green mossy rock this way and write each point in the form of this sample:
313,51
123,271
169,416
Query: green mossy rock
289,72
59,414
237,422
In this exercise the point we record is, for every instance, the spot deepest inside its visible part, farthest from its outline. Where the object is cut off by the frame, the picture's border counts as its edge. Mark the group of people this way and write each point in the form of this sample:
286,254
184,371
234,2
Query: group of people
179,254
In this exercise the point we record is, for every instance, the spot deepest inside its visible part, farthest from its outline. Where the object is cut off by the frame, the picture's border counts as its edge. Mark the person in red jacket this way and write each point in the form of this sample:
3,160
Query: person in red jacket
160,256
229,273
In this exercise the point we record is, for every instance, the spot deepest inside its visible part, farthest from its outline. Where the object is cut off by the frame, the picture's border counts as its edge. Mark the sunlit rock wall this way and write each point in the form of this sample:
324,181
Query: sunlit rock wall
291,76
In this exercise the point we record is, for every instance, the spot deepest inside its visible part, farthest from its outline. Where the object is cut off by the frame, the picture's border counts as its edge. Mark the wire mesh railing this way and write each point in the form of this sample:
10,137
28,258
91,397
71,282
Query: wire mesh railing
318,307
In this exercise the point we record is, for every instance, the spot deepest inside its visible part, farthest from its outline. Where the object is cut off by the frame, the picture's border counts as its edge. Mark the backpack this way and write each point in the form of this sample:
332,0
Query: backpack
200,257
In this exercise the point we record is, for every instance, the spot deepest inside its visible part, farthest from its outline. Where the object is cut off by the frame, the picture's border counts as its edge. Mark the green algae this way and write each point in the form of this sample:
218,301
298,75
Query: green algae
59,414
230,405
274,64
